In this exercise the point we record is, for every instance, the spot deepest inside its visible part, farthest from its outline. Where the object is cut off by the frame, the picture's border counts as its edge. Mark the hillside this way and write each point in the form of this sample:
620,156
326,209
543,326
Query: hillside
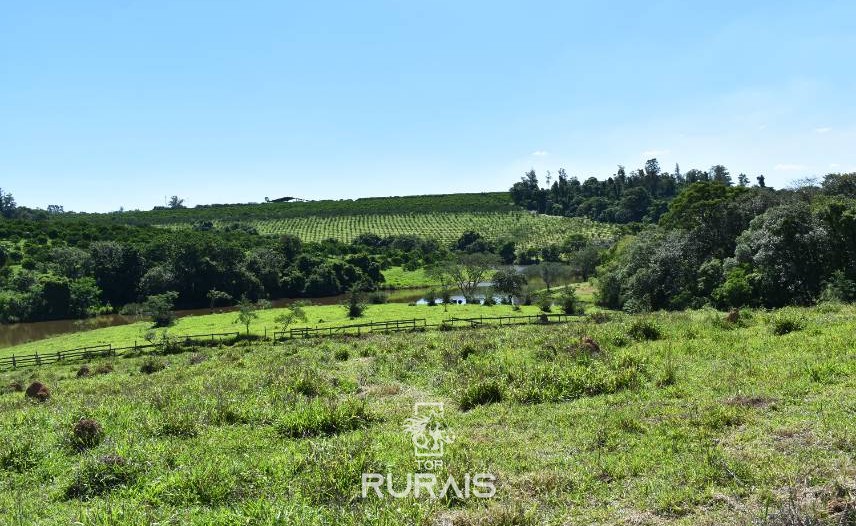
488,202
440,217
704,423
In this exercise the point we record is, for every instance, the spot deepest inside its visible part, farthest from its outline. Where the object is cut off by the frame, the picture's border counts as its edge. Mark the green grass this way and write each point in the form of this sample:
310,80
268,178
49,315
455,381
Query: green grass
749,422
317,316
398,278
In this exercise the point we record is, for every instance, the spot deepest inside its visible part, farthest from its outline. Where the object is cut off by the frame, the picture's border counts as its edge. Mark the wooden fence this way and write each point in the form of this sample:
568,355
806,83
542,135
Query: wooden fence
358,329
107,349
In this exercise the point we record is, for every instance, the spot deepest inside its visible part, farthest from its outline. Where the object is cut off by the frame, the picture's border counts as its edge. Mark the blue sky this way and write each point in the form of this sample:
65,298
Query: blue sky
118,104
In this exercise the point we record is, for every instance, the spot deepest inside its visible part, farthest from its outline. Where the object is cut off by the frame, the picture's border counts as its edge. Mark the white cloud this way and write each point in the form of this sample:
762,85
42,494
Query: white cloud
654,153
540,153
834,165
784,167
822,130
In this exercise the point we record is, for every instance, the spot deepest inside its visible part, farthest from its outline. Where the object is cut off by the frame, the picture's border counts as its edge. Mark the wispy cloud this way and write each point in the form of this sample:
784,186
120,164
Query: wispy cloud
834,165
822,130
540,153
785,167
654,153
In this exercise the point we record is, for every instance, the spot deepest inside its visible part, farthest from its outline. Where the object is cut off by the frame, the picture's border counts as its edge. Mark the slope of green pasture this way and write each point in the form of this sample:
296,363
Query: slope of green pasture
710,424
316,316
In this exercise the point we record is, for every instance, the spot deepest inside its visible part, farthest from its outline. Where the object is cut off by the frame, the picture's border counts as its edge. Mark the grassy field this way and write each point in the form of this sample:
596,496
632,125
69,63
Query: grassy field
398,278
527,229
317,316
678,419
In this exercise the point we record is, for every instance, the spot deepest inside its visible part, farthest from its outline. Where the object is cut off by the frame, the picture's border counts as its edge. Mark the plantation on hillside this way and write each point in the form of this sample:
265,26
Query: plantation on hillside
672,419
414,204
527,229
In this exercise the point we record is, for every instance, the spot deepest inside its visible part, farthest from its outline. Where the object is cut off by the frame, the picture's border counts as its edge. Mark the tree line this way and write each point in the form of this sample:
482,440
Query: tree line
642,195
732,246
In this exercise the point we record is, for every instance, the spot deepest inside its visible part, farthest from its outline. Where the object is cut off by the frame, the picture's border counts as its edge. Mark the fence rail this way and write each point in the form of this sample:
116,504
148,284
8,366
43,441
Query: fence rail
103,350
357,329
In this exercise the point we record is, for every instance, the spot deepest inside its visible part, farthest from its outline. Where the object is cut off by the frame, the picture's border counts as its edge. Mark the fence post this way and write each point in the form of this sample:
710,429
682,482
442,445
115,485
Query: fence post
38,360
14,363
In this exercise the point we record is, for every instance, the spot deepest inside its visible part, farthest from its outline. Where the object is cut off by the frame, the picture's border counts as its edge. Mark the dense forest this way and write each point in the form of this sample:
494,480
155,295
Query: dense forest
53,269
642,195
704,240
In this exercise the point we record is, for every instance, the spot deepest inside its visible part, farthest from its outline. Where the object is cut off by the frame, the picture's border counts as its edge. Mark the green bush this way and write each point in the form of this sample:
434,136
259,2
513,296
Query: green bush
785,323
570,304
97,476
319,418
152,365
342,354
644,330
483,393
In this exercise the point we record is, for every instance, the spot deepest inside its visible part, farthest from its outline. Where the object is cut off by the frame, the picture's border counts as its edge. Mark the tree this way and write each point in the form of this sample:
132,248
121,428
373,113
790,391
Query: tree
292,313
55,209
7,204
508,282
720,174
569,302
356,305
290,247
472,242
840,184
175,202
248,311
442,274
760,180
585,261
159,307
550,272
506,252
469,271
787,250
743,180
215,295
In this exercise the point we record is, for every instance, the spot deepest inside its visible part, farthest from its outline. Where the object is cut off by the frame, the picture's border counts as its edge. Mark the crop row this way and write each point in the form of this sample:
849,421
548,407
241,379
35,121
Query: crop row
525,228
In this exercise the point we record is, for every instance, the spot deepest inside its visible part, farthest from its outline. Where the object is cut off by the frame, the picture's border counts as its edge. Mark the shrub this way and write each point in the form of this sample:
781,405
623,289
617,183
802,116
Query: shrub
545,302
152,365
644,329
97,476
839,289
786,324
569,302
324,419
342,354
19,454
87,433
483,393
489,301
84,371
309,383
